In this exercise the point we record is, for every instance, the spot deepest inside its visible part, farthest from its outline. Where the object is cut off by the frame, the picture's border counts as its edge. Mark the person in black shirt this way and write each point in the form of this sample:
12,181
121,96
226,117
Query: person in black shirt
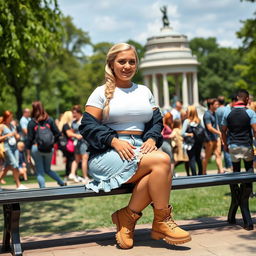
42,159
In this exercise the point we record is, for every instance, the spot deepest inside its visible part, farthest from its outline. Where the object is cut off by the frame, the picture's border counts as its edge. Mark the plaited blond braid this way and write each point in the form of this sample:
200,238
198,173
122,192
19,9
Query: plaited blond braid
110,81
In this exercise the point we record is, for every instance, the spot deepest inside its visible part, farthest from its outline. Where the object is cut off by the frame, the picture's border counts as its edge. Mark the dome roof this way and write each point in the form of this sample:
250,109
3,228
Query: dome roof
167,48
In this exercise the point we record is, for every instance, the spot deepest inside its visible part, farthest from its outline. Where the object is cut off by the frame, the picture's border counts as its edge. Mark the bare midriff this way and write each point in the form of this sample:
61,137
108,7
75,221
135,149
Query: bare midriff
130,132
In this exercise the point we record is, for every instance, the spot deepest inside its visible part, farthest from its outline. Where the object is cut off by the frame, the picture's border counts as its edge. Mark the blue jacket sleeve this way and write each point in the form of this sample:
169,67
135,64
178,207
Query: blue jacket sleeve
98,135
154,128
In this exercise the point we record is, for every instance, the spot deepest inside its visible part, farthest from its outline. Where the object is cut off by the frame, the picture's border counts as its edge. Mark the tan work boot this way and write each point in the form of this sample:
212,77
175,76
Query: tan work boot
125,221
165,228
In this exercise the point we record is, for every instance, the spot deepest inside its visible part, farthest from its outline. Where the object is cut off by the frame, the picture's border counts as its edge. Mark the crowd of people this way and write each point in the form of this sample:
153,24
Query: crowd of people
187,140
30,143
193,141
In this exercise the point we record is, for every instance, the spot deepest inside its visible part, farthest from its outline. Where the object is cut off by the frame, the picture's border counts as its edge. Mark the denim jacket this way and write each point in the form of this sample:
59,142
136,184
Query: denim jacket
99,136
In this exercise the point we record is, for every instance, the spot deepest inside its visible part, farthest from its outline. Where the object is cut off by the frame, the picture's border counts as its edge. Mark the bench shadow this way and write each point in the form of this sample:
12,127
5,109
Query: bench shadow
142,236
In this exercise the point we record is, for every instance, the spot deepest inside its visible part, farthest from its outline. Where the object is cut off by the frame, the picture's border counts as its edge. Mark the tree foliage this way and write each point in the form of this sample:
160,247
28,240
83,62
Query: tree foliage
216,72
247,68
30,32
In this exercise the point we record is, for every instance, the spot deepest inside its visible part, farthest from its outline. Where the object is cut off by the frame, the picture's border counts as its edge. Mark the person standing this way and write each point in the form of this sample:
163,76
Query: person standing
81,146
24,124
219,113
123,125
68,133
42,157
166,133
176,111
191,123
9,135
239,122
213,145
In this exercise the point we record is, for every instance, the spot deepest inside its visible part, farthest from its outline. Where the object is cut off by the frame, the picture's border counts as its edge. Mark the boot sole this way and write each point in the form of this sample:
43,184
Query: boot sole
118,237
168,239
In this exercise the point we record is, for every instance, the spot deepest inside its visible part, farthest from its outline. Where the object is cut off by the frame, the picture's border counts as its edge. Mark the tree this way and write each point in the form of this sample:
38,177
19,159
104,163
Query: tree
247,68
216,71
30,32
63,78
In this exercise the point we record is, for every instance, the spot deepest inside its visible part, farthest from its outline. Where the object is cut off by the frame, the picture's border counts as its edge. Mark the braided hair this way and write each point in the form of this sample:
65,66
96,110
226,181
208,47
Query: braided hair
110,80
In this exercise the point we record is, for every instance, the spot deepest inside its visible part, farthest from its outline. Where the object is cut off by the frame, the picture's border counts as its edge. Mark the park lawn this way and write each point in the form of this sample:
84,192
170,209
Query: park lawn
94,212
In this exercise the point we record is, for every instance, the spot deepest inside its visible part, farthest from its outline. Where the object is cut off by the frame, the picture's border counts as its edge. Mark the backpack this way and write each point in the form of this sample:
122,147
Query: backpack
199,133
44,137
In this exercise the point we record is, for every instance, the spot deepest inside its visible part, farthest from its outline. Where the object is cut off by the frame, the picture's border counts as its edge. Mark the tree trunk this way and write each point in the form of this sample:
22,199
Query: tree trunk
19,101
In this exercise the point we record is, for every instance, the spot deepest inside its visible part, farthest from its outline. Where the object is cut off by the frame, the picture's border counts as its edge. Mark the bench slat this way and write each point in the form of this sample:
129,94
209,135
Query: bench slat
55,193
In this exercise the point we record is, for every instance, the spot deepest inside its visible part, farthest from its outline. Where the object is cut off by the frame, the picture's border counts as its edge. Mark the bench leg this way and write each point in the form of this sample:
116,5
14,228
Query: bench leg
11,229
235,199
246,190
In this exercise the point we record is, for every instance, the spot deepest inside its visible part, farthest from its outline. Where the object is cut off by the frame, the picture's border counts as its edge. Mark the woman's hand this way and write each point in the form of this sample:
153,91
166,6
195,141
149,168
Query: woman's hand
190,134
148,146
123,148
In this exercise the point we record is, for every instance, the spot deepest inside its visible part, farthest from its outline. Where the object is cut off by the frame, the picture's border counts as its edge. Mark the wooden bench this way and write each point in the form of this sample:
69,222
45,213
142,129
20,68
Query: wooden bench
11,200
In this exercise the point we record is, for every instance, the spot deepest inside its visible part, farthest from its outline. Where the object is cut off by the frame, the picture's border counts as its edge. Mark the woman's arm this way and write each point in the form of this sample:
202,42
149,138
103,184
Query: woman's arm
4,137
100,136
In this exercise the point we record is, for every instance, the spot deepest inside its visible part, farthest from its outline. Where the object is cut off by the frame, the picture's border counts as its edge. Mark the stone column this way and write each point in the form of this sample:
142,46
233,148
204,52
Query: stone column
146,80
155,89
177,86
184,90
195,89
166,92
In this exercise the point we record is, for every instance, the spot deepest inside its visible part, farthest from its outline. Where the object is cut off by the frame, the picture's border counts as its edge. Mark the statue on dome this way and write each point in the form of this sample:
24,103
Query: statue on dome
165,19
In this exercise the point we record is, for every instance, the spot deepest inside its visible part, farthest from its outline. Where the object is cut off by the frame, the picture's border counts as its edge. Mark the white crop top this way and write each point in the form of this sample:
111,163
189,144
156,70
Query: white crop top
130,108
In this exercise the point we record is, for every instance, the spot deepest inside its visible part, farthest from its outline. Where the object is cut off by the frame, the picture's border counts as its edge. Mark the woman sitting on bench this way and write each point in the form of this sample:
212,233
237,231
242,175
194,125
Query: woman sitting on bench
123,125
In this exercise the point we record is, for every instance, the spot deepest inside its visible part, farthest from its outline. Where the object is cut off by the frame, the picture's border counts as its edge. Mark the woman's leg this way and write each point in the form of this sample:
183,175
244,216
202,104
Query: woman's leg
158,184
75,164
85,158
198,150
153,183
218,157
16,176
69,161
39,166
47,158
208,154
192,160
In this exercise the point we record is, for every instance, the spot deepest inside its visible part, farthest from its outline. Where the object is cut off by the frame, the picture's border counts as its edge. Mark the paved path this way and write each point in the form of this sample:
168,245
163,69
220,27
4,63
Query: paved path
210,237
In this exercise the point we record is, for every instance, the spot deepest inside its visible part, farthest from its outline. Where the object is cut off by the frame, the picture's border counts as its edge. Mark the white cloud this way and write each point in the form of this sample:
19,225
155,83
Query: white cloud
115,21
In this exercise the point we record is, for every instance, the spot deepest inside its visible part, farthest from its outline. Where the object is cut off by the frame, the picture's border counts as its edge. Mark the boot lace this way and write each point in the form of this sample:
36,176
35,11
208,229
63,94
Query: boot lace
170,222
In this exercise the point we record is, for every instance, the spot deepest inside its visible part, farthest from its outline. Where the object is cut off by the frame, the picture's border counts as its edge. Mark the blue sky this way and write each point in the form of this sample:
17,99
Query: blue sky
117,21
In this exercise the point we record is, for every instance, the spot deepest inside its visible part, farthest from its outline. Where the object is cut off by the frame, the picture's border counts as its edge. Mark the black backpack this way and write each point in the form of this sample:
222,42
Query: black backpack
44,137
199,133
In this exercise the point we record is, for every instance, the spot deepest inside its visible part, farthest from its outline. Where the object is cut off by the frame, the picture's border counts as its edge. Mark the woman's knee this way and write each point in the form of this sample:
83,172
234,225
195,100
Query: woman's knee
160,158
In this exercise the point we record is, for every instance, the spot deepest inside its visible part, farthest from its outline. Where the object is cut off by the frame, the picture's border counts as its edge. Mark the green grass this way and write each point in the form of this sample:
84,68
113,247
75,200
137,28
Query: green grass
91,213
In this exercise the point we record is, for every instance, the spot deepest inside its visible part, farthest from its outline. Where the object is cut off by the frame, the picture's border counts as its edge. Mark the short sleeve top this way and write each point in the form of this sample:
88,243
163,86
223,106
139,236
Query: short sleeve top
130,108
211,118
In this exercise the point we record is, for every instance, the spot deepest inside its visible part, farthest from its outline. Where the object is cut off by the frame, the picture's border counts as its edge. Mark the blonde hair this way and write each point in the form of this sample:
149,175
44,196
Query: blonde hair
20,144
110,80
66,118
192,114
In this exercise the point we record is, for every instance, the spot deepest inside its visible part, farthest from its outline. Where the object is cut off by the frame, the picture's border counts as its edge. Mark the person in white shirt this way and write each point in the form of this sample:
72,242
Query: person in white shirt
123,134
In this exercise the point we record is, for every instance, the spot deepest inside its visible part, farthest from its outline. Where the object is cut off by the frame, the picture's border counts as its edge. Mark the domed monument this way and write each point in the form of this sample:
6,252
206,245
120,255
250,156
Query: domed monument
168,54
